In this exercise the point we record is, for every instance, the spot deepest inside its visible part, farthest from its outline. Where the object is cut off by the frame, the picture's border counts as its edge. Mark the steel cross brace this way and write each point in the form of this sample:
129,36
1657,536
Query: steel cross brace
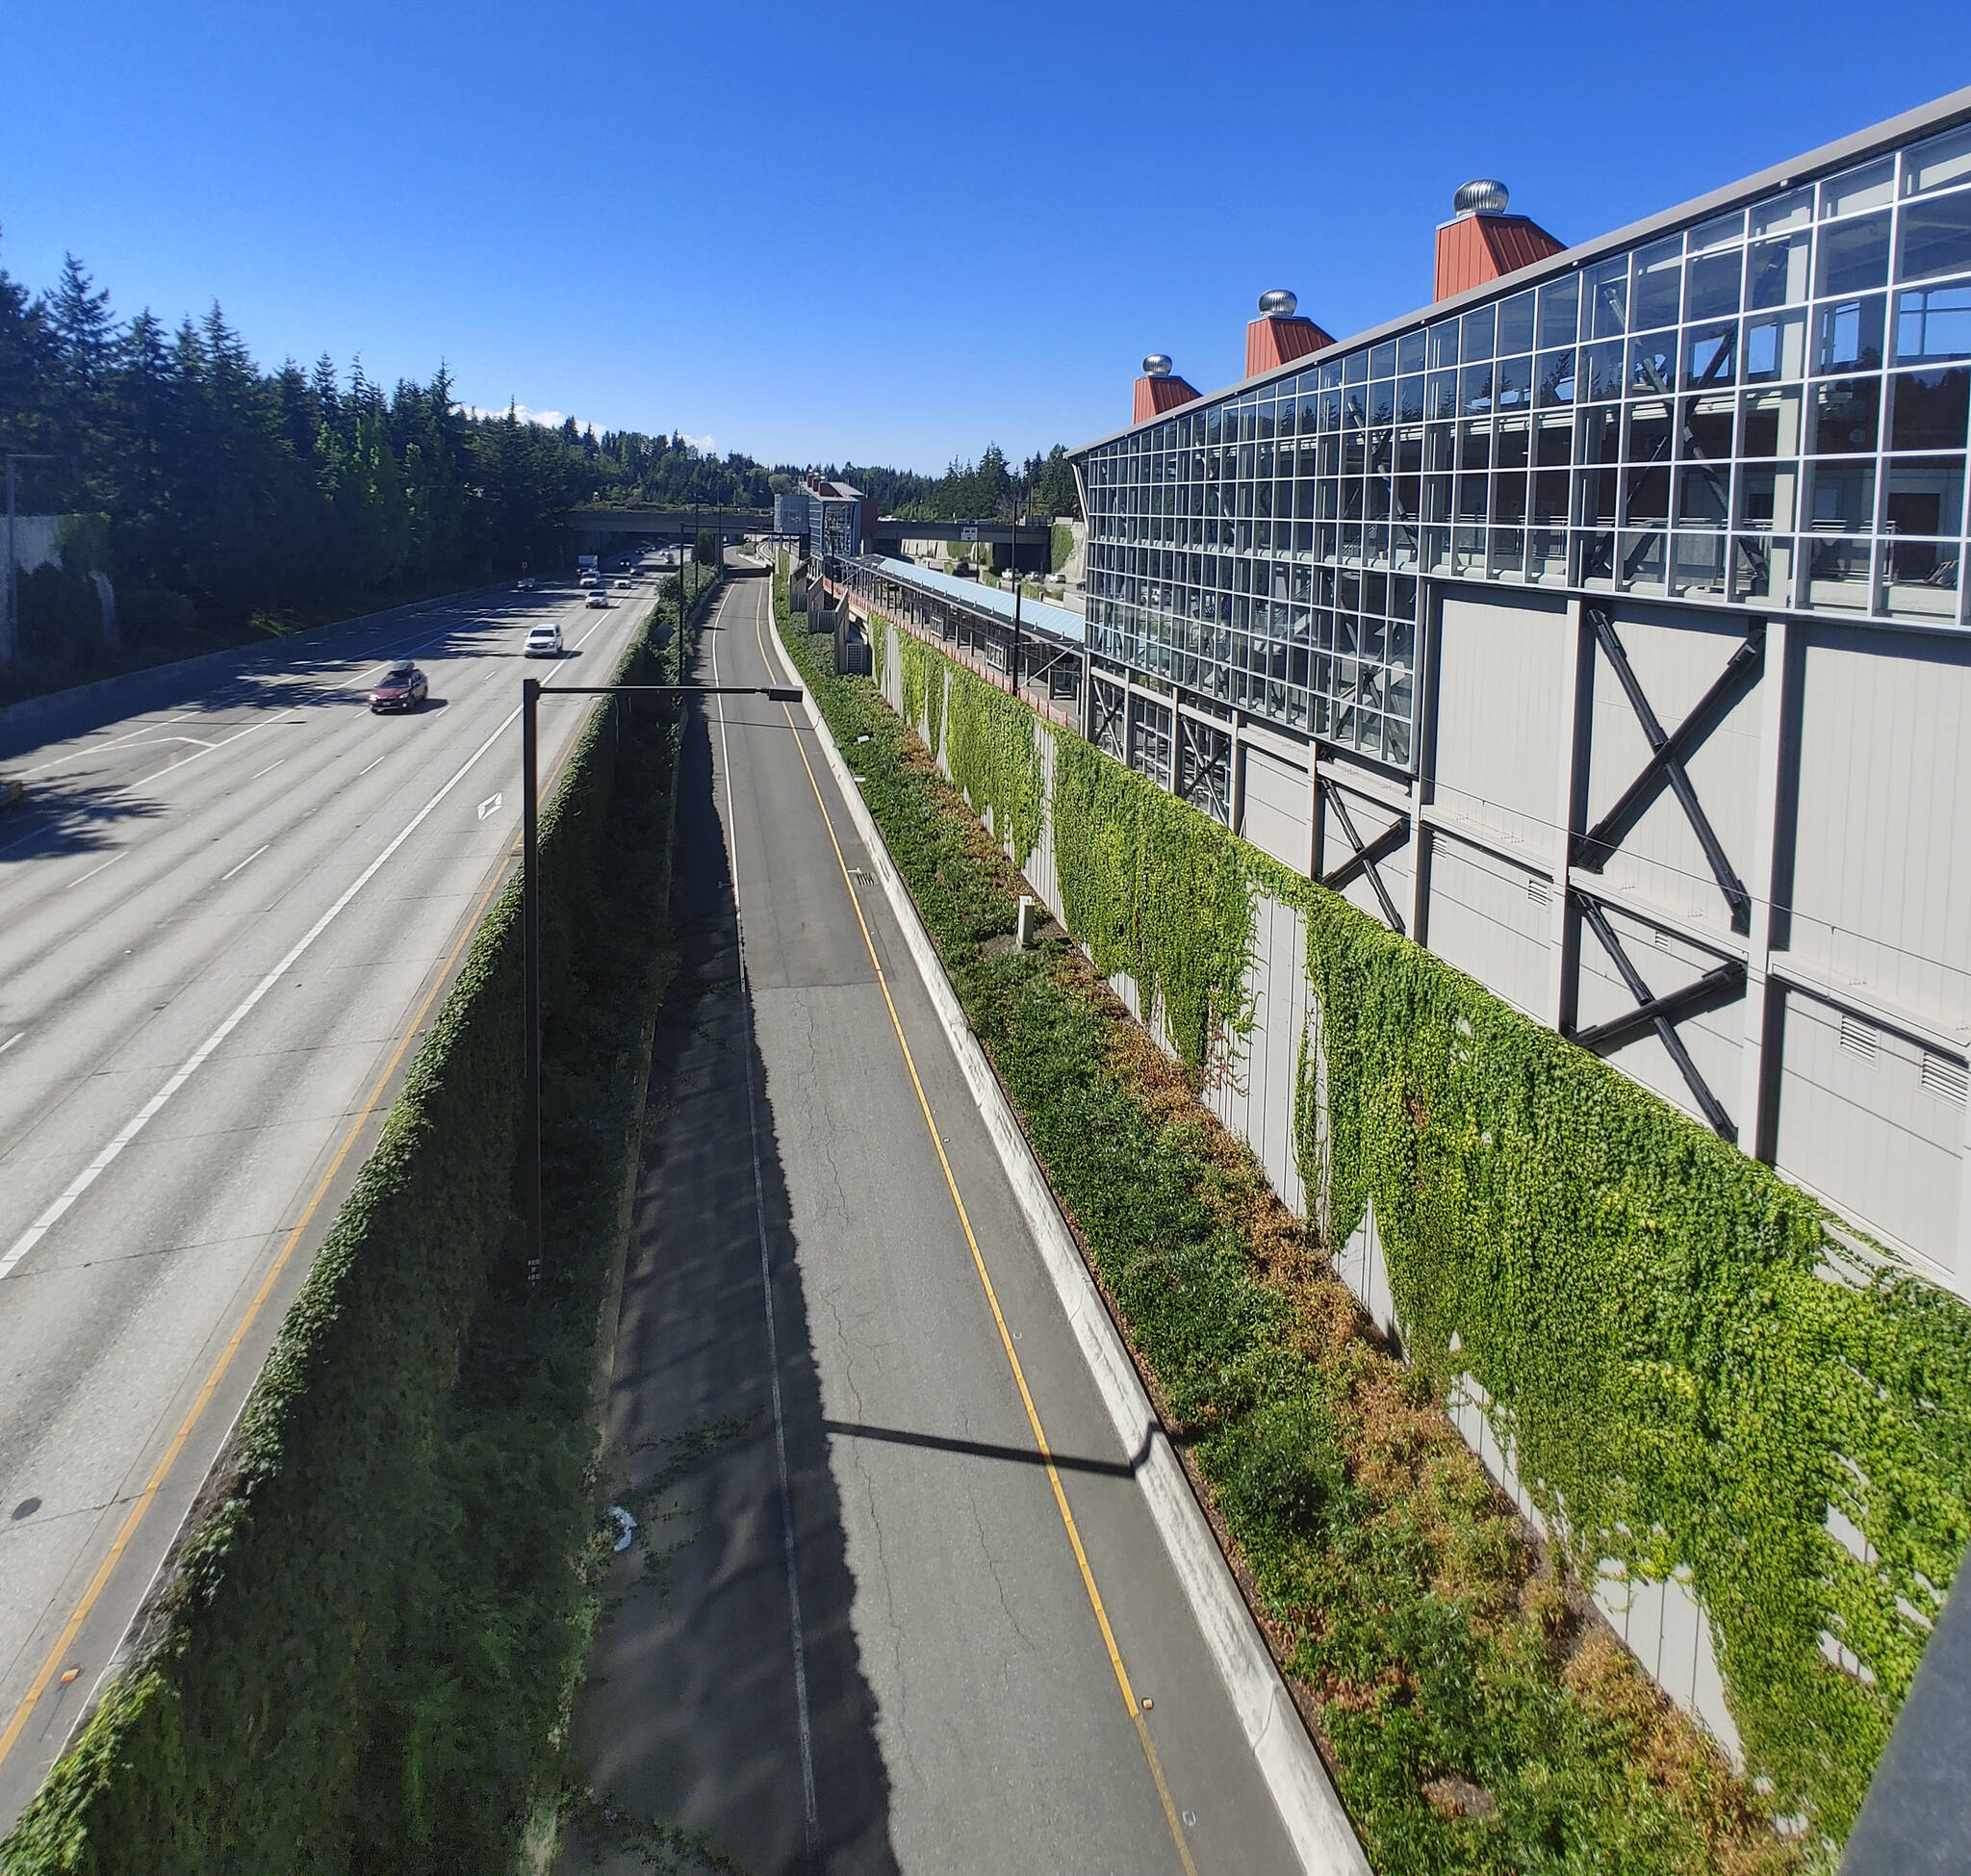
1662,1014
1364,858
1665,767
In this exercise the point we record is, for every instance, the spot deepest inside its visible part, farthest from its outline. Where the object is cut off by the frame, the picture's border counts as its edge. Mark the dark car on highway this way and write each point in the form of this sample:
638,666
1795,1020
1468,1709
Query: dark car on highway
402,688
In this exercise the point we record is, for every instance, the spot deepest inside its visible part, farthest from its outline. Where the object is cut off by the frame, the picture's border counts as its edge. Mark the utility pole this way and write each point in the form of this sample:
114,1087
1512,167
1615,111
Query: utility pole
1019,501
13,569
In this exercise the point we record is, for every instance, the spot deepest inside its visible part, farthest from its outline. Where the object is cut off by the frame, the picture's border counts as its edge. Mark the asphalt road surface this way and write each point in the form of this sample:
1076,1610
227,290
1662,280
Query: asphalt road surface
853,1631
222,916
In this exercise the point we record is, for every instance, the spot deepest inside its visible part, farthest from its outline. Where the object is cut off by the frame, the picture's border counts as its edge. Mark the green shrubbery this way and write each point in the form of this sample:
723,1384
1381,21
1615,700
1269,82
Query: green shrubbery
1643,1304
366,1650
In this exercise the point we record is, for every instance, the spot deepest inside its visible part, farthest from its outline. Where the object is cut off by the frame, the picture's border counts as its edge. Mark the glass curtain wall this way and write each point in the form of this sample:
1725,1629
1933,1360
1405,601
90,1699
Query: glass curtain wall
1766,408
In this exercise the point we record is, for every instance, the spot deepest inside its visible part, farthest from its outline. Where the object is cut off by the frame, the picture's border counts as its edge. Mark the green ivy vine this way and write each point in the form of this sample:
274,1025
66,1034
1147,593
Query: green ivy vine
1689,1389
1156,892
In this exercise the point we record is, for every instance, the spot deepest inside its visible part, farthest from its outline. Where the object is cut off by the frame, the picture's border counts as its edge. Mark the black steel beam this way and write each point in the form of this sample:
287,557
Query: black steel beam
1366,855
1593,849
1722,870
1708,1104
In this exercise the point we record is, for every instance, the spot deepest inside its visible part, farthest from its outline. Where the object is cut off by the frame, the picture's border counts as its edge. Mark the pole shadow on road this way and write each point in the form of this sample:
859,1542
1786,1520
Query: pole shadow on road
687,1718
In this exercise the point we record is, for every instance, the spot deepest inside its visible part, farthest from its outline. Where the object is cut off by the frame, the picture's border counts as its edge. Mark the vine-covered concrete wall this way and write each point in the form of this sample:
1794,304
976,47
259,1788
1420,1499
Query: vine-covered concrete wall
1757,1451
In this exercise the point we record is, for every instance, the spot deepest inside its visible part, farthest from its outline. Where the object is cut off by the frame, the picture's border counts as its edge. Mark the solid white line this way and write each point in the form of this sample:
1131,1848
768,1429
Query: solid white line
268,770
93,871
246,862
10,1041
766,1284
144,1115
366,768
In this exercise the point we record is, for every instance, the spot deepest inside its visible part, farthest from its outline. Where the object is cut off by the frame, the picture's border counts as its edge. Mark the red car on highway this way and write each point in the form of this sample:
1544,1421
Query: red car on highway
402,688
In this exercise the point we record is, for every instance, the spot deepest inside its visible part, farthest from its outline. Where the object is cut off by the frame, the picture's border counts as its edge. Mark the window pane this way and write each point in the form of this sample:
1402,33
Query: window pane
1512,385
1776,347
1382,360
1928,409
1843,497
1854,255
1935,237
1444,344
1942,161
1516,325
1924,495
1658,285
1845,413
1776,271
1409,399
1711,289
1715,233
1603,368
1710,356
1791,210
1869,187
1848,335
1603,313
1410,352
1474,339
1559,303
1554,378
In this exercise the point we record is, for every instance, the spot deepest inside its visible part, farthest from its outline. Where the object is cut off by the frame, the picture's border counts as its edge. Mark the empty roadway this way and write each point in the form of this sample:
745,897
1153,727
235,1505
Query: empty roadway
219,914
855,1634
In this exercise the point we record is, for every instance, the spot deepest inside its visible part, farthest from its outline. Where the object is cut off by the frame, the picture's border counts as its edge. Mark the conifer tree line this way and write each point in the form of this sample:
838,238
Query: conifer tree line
986,490
215,491
218,495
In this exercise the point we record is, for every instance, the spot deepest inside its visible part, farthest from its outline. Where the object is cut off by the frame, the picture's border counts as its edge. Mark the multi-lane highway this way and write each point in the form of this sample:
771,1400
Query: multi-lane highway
222,917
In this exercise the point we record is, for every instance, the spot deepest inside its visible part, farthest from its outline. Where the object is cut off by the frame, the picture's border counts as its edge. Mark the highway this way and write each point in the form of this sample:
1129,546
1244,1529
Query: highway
222,916
859,1629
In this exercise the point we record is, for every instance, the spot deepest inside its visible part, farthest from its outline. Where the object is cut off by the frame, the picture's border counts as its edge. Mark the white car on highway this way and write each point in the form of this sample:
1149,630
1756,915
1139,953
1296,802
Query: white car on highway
545,641
599,597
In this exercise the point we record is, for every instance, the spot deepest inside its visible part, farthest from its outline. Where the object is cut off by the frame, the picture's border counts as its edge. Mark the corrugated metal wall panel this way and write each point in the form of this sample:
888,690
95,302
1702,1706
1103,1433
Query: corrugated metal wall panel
1857,1112
1491,919
1499,713
1881,874
1276,806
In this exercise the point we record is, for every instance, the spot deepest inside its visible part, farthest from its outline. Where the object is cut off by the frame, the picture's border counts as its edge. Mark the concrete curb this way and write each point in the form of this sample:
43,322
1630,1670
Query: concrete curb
1315,1820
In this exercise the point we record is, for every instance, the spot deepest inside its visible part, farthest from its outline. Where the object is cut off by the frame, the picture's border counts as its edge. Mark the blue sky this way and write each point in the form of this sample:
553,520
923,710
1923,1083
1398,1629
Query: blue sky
871,232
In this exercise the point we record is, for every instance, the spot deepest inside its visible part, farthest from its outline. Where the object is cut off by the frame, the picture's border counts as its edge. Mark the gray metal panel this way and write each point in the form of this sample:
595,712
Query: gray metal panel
1880,872
1858,1125
1500,713
1275,818
1491,919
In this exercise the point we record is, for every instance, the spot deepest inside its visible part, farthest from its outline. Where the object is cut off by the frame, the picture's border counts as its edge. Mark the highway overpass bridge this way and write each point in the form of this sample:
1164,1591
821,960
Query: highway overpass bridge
598,530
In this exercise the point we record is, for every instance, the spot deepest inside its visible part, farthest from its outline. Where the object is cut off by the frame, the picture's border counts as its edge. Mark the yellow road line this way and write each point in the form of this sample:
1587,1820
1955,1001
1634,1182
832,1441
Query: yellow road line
145,1499
1074,1536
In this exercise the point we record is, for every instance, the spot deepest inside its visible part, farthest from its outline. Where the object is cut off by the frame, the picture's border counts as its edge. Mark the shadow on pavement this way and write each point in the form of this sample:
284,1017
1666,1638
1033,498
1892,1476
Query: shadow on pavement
688,1717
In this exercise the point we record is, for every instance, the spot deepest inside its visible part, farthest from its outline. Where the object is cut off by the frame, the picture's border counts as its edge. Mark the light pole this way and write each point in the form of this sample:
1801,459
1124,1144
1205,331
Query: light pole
531,691
12,573
1019,501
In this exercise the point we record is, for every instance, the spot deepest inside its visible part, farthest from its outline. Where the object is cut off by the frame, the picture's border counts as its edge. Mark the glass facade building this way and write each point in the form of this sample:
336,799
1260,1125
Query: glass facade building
1761,407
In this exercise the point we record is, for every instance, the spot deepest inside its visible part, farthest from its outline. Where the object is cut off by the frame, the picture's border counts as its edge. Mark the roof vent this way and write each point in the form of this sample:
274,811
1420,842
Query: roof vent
1157,364
1485,196
1278,304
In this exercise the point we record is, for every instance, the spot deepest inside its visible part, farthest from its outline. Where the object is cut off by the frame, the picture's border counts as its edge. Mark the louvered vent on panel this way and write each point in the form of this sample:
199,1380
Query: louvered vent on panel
1944,1078
1857,1037
1536,890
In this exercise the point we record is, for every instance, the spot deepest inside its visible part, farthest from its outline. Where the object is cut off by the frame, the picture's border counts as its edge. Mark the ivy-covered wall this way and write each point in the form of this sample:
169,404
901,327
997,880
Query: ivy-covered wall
1694,1380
